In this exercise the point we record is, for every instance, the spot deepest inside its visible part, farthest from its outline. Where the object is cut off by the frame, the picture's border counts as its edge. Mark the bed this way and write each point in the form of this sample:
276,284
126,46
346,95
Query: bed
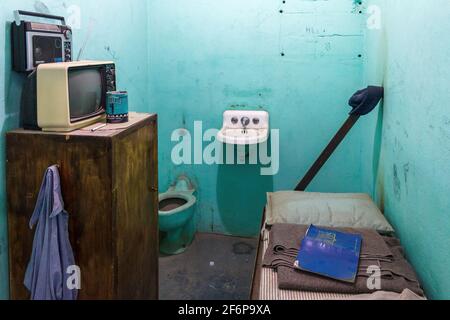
265,281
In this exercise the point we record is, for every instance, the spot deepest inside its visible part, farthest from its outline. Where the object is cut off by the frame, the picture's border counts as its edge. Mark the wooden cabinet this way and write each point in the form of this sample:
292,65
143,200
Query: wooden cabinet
110,188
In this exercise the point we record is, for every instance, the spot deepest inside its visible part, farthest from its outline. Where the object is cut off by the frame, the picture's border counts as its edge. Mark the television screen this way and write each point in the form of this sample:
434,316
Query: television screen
48,49
85,93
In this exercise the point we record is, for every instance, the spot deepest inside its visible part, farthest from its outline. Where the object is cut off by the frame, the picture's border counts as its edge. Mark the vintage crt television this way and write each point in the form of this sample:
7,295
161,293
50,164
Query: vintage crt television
63,97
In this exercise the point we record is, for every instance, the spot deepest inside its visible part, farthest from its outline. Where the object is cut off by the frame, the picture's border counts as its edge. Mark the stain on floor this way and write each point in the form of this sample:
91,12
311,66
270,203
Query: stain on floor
214,267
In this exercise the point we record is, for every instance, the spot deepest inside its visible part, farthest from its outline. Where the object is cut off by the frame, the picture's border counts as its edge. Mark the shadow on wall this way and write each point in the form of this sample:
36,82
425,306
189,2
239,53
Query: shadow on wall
241,197
377,169
12,94
13,83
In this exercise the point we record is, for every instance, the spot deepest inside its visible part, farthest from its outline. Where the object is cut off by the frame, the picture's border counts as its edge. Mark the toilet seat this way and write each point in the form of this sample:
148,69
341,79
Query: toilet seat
186,196
178,225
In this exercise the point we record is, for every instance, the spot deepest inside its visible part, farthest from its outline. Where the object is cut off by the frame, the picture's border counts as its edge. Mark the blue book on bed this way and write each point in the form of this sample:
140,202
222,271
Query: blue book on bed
330,253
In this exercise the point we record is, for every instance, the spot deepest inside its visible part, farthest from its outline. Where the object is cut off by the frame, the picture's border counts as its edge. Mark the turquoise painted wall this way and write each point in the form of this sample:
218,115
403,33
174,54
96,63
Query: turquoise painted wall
411,57
202,58
118,32
209,56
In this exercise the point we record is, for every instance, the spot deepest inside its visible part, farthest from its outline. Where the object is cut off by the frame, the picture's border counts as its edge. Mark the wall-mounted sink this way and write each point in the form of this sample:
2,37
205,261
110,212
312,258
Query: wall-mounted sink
244,127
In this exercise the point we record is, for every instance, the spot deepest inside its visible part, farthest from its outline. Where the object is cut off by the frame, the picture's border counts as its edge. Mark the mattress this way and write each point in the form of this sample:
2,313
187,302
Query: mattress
266,286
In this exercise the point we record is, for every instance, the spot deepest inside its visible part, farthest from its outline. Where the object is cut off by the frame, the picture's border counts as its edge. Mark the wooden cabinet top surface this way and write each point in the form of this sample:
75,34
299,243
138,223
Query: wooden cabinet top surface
137,120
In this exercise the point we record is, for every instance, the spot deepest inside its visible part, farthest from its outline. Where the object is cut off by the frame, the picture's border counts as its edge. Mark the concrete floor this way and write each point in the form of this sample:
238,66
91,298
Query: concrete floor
214,267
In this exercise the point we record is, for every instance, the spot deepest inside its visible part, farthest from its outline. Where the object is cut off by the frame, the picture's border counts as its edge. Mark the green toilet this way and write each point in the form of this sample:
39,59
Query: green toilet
176,217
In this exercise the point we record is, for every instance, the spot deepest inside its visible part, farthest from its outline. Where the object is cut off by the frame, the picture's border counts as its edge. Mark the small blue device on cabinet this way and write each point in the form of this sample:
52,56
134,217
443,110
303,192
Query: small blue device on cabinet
117,107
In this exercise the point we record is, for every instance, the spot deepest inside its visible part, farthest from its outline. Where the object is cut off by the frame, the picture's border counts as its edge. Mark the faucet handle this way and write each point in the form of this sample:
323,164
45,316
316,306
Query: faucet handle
245,121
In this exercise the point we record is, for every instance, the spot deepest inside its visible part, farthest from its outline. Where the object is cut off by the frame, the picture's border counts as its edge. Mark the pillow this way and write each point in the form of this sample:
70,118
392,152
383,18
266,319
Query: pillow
325,210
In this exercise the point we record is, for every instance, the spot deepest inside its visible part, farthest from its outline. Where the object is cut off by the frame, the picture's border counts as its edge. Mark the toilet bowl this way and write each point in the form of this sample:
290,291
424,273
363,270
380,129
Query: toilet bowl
176,217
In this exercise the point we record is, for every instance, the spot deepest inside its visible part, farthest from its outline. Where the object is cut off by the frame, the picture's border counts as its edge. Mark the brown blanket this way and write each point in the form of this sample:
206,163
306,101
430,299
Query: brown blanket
291,279
396,273
406,295
285,240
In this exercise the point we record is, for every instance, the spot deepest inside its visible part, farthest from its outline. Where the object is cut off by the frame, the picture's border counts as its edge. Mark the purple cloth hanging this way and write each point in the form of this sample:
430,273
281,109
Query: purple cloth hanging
46,276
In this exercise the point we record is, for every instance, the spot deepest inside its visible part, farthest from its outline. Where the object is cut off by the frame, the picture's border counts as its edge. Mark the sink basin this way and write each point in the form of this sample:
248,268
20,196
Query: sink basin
244,128
243,137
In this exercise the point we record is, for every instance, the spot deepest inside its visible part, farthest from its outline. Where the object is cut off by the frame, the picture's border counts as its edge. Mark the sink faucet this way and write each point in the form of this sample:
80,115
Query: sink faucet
245,122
